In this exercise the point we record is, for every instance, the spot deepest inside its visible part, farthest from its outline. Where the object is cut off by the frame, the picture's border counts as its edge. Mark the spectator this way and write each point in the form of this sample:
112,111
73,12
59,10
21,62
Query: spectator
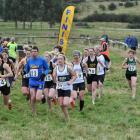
128,41
134,43
105,36
12,48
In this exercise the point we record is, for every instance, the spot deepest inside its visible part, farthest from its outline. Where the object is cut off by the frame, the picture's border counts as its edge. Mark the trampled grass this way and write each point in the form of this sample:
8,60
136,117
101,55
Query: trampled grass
114,117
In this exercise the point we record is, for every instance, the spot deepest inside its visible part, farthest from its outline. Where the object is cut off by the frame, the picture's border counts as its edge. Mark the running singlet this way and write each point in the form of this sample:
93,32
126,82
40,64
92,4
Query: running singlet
35,67
92,65
63,77
131,66
12,49
79,72
3,81
100,68
48,77
23,72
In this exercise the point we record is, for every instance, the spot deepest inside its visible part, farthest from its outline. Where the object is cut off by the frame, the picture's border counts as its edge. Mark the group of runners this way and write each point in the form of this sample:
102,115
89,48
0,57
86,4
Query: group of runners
53,78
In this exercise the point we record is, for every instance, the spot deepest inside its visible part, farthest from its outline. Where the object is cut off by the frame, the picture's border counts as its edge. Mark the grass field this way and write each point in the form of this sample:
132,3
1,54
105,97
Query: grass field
114,117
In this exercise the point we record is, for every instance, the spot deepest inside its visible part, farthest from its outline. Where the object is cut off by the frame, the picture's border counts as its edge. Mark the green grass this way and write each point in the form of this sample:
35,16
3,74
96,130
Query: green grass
95,30
114,117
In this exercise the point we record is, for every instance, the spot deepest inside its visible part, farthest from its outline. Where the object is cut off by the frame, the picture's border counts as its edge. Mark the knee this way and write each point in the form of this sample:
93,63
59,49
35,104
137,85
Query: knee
100,85
93,88
32,96
65,104
81,96
38,98
24,91
133,85
89,89
50,97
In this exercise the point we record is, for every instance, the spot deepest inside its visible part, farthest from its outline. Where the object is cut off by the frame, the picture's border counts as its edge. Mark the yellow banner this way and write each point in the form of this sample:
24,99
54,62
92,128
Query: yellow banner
65,27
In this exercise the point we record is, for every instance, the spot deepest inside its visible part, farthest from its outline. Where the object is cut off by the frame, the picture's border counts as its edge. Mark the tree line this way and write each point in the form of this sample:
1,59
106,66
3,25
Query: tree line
31,11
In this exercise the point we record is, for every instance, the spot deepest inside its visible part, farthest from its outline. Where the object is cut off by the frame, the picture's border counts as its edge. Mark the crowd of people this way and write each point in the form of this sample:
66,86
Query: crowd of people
53,78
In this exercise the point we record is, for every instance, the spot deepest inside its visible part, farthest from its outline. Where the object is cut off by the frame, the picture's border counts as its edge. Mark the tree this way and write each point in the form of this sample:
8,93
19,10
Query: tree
31,10
53,11
129,4
35,13
13,11
112,6
2,9
102,7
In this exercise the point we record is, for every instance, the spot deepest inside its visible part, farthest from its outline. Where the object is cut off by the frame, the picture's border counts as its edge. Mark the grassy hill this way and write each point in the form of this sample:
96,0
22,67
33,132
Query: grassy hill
114,117
90,6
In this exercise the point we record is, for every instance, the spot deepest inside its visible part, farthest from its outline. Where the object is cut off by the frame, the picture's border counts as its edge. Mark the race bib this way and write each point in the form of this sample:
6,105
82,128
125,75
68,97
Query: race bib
132,68
48,78
91,71
2,82
79,75
59,85
34,72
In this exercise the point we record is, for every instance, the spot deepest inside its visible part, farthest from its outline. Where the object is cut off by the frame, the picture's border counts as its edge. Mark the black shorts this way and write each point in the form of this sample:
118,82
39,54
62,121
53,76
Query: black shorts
11,79
80,86
101,78
128,76
13,59
25,82
64,93
92,78
49,84
133,48
5,90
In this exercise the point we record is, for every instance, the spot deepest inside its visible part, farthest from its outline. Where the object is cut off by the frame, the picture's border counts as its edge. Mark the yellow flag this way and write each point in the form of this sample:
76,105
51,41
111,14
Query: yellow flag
65,27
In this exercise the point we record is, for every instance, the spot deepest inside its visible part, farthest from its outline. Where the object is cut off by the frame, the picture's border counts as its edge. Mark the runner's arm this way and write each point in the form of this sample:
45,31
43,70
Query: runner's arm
8,71
138,61
19,68
73,74
12,65
54,74
124,64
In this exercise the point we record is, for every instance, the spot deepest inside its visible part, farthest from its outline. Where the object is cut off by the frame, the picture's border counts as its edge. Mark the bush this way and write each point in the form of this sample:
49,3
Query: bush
102,7
113,18
134,26
96,12
112,6
83,25
120,3
129,4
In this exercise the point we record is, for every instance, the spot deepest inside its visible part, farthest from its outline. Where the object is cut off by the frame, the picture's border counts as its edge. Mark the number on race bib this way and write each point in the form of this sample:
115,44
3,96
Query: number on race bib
91,70
2,82
34,72
48,78
59,86
80,75
132,68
